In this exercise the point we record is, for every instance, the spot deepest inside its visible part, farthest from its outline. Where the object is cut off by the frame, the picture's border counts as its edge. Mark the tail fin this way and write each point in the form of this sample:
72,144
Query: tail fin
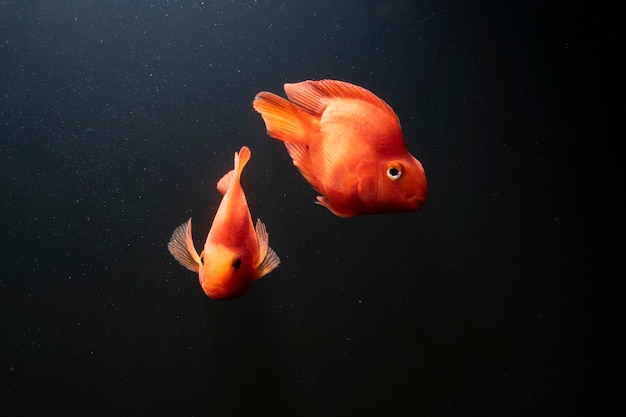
241,159
284,120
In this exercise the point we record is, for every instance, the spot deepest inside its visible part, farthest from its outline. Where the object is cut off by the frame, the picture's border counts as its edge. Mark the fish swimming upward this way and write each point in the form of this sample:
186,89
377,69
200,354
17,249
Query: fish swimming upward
347,143
235,253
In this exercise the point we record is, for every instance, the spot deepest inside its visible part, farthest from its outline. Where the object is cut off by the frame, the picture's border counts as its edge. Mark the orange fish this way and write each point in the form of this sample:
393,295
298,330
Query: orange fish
235,254
347,143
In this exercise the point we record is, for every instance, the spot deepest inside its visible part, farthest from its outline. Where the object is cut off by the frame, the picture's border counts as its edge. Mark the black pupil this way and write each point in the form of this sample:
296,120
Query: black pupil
394,172
237,264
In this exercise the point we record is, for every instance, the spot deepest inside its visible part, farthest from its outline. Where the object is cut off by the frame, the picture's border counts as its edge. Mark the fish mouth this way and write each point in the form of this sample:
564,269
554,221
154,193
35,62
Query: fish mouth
416,200
214,291
220,292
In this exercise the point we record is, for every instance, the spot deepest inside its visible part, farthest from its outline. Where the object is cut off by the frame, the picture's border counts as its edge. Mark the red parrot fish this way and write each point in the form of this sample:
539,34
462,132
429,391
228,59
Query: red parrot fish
347,143
235,253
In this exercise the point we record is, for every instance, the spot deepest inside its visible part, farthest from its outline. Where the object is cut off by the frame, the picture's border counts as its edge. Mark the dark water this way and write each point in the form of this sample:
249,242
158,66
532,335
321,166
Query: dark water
118,117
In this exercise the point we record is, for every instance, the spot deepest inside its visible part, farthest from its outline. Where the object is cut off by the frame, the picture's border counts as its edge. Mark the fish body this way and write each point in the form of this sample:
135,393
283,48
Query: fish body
236,253
348,144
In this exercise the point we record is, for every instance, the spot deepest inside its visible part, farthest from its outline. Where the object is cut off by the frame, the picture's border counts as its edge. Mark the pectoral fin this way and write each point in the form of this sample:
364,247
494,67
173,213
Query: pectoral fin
182,248
269,260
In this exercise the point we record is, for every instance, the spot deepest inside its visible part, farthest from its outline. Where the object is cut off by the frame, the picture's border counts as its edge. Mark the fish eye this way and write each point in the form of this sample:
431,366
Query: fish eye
236,263
394,172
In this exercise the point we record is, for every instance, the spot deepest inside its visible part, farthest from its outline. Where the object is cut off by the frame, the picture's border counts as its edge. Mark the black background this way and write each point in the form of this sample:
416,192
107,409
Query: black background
117,118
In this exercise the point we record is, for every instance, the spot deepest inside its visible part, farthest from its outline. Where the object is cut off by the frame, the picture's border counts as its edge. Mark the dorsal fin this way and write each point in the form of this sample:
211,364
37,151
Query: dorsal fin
314,95
224,182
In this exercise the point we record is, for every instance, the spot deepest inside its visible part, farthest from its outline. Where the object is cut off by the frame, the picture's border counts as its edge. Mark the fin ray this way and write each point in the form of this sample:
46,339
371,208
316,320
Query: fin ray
305,95
182,249
241,159
315,94
283,120
300,155
269,260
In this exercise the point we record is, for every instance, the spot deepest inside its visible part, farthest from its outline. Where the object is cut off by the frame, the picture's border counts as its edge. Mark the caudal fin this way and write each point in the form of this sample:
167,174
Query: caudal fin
241,159
283,120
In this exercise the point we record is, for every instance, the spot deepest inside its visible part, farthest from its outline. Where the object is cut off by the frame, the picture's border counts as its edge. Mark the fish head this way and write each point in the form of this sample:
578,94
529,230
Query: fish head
392,185
225,273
